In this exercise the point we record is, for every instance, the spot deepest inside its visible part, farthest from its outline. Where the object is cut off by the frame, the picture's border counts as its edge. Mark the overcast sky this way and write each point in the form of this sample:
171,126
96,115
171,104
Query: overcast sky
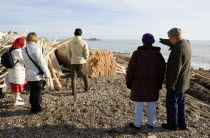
107,19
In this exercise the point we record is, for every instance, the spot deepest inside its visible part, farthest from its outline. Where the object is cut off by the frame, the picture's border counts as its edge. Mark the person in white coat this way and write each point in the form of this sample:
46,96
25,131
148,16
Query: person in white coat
35,74
16,75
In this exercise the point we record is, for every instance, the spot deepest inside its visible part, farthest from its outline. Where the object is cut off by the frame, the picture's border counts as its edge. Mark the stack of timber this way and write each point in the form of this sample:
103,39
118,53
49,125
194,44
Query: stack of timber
100,62
48,48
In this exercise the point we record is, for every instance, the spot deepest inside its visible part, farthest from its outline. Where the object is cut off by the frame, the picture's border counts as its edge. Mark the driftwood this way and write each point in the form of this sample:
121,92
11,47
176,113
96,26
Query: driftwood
12,38
121,69
53,72
48,48
197,75
58,45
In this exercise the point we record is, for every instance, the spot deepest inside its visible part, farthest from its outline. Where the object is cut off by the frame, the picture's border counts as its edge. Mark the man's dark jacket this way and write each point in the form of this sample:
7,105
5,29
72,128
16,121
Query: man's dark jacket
178,67
145,74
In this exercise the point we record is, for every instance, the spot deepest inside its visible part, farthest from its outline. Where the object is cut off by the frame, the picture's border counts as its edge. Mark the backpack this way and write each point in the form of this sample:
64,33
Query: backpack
7,60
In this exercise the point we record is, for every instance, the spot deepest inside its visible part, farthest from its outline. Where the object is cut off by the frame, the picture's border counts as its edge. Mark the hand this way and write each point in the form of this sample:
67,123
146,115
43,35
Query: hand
165,42
171,90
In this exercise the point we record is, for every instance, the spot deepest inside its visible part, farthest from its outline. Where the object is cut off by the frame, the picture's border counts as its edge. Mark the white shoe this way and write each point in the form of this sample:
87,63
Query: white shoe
19,98
18,103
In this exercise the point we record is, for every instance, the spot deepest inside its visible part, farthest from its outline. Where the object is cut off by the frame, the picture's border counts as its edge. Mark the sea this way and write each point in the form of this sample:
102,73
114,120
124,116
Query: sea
200,49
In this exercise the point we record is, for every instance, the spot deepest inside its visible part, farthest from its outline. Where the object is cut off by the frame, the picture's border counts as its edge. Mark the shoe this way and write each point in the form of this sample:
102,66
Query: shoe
19,98
75,99
36,111
18,103
1,95
183,127
133,126
88,89
150,126
73,93
166,126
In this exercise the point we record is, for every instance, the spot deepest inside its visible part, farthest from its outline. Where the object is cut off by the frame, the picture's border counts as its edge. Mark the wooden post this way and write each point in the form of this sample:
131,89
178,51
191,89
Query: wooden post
54,75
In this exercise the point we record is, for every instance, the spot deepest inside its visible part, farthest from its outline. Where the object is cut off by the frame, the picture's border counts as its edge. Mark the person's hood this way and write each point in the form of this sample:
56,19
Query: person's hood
148,50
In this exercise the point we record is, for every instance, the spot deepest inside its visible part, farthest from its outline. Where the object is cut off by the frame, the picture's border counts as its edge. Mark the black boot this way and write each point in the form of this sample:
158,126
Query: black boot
166,126
183,127
133,126
1,95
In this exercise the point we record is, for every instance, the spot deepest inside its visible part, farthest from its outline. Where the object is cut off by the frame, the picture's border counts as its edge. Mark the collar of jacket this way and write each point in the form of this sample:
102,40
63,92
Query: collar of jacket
171,47
78,37
177,43
32,43
149,48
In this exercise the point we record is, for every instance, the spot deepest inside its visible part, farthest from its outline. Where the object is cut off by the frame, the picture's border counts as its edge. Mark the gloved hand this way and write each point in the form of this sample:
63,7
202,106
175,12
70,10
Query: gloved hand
171,90
165,42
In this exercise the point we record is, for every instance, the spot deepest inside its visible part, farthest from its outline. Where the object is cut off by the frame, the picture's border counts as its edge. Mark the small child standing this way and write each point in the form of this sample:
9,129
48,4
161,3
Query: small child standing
17,73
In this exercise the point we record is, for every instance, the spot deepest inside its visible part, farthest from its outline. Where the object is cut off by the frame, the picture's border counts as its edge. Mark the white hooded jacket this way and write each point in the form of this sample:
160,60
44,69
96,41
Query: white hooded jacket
16,74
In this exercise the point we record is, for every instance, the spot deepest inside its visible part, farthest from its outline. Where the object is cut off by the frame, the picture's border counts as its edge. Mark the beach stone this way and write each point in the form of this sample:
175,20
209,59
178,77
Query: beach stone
153,136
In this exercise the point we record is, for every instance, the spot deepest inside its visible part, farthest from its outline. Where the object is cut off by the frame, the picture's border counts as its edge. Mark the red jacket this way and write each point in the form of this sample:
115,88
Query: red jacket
145,74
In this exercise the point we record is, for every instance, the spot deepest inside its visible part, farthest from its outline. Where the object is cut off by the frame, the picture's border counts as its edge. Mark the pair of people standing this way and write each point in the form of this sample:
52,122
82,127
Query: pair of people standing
145,75
25,69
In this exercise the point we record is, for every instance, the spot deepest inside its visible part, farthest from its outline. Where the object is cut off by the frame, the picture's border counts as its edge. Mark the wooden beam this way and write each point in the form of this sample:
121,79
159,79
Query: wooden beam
58,45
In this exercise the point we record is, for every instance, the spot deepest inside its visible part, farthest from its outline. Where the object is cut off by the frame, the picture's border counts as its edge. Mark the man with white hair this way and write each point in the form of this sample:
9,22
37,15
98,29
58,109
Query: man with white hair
177,79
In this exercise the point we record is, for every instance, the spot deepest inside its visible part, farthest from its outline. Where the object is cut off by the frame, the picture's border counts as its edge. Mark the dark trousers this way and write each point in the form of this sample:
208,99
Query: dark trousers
35,98
78,69
175,106
1,94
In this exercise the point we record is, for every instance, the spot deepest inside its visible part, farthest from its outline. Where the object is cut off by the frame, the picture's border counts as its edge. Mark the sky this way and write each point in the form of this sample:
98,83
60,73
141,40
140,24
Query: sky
107,19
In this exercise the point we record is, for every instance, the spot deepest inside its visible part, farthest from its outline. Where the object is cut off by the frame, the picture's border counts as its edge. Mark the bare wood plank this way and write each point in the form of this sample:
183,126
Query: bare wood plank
59,45
3,85
54,75
56,65
12,39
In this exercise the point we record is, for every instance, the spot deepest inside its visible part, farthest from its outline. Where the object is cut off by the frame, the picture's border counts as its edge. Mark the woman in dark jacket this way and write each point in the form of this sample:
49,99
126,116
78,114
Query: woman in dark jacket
145,75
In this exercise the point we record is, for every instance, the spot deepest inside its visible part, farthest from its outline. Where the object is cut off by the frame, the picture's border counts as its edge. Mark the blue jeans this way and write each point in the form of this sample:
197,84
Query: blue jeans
151,113
175,107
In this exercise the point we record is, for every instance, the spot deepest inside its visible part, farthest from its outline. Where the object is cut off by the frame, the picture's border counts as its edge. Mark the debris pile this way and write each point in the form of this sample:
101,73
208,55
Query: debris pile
48,48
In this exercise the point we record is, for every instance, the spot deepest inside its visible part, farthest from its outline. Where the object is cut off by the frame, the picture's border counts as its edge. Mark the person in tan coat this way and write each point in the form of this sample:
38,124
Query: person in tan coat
78,53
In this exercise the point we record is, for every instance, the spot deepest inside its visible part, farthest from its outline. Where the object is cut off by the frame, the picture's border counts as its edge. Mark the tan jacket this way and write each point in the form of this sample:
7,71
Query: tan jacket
77,50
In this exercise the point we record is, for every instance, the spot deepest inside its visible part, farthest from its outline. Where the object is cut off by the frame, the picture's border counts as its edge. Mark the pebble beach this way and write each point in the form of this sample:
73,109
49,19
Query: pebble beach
105,111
